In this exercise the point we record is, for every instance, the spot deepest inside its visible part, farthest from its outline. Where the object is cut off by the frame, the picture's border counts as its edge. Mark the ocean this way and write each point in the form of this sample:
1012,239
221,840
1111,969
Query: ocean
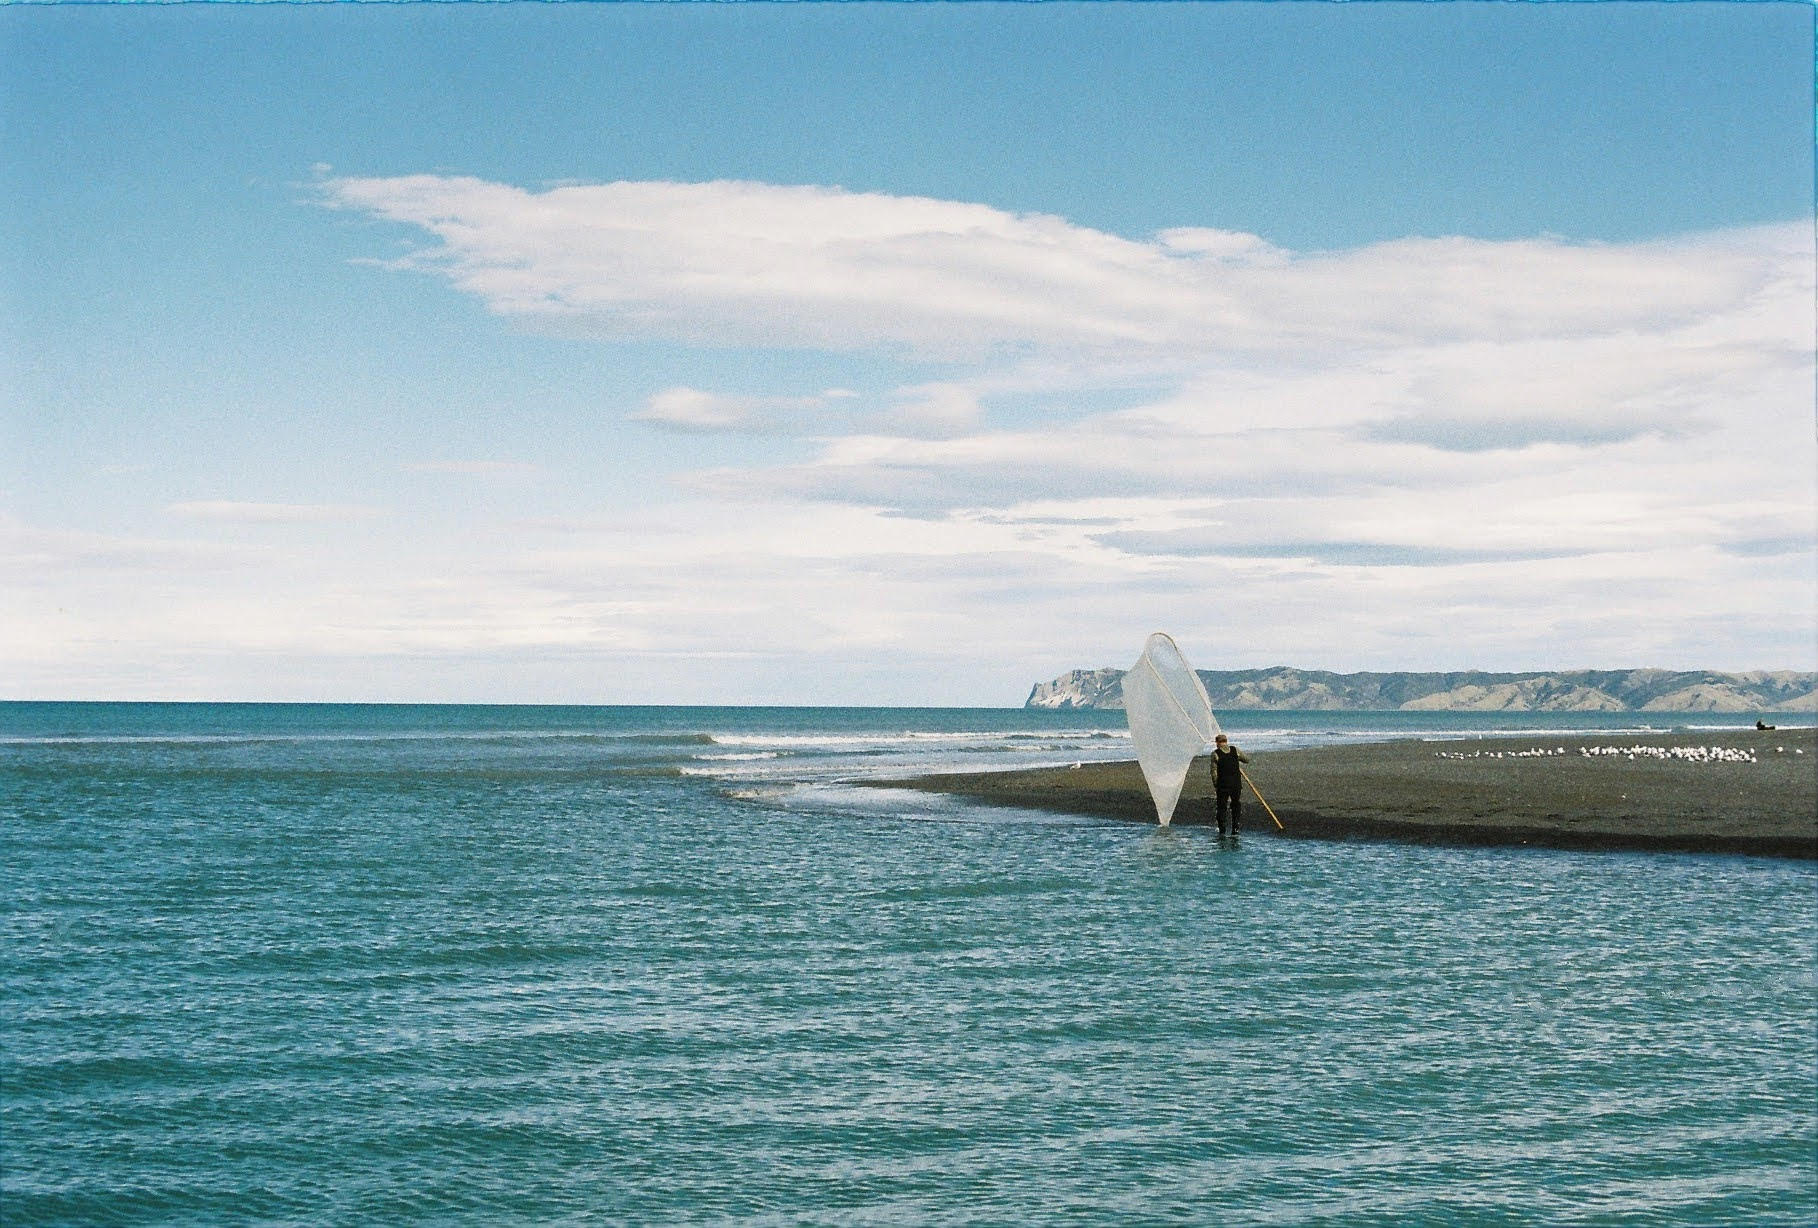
320,964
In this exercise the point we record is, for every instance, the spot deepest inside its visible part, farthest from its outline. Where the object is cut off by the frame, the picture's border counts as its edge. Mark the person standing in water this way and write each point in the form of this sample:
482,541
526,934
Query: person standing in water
1228,784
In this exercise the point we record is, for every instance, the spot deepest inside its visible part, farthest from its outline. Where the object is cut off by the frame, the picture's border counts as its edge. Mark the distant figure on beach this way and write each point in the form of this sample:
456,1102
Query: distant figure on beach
1228,784
1759,724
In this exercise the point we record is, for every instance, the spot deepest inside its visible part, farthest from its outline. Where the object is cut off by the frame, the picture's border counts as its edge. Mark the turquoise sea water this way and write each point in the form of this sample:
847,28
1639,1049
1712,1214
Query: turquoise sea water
319,964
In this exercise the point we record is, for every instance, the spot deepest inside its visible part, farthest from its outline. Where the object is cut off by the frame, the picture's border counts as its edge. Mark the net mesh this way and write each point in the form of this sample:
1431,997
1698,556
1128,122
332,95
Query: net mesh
1170,719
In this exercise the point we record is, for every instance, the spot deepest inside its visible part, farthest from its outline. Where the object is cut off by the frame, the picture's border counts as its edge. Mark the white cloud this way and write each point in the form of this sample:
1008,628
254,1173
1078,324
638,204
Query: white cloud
270,513
690,409
695,411
737,263
1432,453
937,410
473,468
33,555
933,410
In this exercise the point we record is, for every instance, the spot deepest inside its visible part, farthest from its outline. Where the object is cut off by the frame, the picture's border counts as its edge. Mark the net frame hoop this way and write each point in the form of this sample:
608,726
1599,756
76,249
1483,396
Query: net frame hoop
1168,690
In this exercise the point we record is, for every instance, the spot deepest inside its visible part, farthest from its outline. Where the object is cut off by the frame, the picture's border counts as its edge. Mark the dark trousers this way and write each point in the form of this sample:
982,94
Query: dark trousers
1231,803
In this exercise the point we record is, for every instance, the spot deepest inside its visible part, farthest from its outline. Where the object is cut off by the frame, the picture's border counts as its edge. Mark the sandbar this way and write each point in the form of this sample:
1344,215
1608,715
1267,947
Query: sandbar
1732,792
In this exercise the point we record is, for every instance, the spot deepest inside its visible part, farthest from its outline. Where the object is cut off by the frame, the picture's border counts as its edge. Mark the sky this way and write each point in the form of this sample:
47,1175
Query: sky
897,354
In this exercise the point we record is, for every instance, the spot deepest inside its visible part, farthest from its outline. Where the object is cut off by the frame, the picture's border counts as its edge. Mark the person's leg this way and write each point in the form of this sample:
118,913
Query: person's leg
1237,812
1224,807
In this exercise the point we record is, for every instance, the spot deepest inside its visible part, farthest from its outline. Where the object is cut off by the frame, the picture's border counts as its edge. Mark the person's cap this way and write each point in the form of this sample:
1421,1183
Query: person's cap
1221,738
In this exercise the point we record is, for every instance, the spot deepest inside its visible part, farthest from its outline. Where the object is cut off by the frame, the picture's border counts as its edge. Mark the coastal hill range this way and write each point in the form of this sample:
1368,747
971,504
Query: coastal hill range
1283,688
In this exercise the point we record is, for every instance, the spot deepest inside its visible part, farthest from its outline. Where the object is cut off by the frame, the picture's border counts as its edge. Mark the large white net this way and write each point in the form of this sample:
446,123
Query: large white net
1170,719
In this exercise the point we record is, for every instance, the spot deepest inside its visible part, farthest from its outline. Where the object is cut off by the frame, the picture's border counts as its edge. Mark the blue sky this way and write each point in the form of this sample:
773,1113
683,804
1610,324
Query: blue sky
896,353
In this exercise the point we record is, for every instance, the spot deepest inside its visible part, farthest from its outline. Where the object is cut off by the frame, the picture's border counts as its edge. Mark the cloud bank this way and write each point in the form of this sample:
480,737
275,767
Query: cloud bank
739,263
1432,404
1437,452
236,512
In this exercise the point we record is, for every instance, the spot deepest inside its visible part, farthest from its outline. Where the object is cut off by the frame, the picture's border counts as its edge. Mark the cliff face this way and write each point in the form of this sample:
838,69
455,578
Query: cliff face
1628,690
1080,688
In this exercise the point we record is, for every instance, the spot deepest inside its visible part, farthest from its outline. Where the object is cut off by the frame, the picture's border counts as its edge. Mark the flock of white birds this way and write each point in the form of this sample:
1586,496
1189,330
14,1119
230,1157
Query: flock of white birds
1685,754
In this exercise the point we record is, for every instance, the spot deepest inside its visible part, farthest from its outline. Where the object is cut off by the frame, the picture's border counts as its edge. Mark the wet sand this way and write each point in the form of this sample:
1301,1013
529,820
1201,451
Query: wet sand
1482,791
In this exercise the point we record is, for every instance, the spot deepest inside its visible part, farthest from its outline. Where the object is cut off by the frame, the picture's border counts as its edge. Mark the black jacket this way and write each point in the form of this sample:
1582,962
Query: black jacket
1227,773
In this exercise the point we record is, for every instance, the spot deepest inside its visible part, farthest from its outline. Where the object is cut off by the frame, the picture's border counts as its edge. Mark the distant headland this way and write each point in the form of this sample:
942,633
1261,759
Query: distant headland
1283,688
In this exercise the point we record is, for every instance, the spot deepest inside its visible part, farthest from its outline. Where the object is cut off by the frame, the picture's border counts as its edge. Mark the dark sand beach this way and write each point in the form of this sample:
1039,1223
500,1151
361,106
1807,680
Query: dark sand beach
1743,791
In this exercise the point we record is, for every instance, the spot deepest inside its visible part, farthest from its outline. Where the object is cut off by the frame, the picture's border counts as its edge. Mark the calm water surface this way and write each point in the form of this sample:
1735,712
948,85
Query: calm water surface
358,965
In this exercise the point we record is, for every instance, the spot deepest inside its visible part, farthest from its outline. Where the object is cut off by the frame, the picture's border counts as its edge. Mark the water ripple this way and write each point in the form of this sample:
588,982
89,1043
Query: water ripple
306,994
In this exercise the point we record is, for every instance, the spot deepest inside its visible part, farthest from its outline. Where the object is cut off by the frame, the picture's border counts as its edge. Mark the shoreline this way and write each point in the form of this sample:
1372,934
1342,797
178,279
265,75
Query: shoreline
1746,792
